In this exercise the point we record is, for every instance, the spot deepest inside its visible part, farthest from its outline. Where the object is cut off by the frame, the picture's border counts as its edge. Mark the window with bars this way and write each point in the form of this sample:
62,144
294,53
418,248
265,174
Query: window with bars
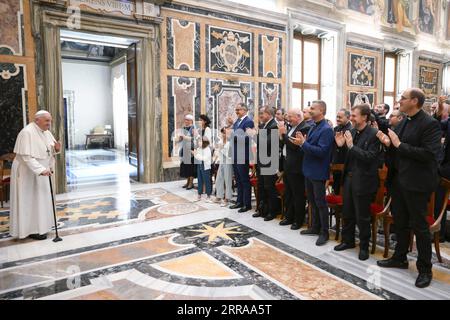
305,70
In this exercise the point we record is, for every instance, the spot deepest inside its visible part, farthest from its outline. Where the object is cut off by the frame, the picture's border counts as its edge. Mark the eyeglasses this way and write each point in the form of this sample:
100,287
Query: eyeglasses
404,98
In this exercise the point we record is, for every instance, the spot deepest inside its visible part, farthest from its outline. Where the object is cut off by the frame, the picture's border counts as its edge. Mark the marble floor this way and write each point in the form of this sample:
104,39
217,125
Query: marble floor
153,242
93,168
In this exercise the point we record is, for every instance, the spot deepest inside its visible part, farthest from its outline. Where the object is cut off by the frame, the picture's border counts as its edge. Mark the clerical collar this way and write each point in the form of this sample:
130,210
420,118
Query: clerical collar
360,131
39,127
414,116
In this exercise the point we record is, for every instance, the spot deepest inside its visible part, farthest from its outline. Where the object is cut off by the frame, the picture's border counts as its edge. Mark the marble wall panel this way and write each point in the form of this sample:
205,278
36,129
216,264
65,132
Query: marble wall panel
183,45
11,27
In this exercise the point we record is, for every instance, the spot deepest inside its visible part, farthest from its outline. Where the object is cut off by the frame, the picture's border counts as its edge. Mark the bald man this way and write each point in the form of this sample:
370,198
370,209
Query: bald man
31,213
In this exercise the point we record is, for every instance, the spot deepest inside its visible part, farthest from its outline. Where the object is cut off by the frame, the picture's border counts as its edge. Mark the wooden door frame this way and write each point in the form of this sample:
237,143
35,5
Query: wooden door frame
47,23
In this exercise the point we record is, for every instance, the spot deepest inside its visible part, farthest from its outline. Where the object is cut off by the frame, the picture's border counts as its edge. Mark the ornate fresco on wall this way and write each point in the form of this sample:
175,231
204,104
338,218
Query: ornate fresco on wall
184,98
183,45
230,51
12,99
270,95
270,58
362,6
362,70
223,96
355,98
427,15
429,78
11,27
399,13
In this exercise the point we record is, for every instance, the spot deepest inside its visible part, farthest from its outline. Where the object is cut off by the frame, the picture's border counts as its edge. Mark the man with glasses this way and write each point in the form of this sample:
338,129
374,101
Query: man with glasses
413,151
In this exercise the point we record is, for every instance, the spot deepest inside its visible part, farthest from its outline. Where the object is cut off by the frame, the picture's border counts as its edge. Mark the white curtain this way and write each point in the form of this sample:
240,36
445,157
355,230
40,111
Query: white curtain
120,105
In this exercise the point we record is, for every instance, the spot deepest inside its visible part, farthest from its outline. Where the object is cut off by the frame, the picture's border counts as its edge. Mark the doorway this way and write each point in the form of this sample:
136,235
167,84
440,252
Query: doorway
100,109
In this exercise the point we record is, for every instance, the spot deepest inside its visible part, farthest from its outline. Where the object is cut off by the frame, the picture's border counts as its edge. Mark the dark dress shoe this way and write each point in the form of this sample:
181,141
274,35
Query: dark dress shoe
363,254
286,222
309,232
424,280
269,217
392,263
323,238
257,215
244,209
190,187
185,186
38,236
236,206
295,226
344,246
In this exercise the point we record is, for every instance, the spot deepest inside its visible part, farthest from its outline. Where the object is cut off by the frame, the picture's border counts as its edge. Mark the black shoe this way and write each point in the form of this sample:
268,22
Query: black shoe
244,209
258,215
363,254
309,232
286,222
392,263
185,186
190,187
269,217
38,236
236,206
344,246
424,280
323,238
295,226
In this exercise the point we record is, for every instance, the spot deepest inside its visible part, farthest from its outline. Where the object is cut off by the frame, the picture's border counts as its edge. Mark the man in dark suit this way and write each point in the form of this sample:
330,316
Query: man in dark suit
267,163
339,153
316,168
360,179
380,112
241,157
413,151
293,178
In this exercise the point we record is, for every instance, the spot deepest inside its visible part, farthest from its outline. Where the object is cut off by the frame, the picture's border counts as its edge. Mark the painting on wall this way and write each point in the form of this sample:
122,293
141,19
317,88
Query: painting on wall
399,13
270,57
362,6
355,98
427,15
270,95
183,45
11,27
230,51
223,96
429,79
184,98
361,70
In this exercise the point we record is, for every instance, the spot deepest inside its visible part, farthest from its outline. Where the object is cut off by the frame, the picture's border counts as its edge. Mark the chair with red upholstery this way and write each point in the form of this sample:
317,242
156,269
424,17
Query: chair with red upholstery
5,180
335,201
279,185
254,183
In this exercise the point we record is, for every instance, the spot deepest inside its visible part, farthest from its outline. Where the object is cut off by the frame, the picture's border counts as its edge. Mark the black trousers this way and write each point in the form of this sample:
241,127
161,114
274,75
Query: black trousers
409,209
268,194
356,212
337,176
243,185
294,197
315,190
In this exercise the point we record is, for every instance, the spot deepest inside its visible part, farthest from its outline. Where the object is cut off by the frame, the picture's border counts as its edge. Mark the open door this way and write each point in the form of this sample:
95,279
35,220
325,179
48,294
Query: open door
133,136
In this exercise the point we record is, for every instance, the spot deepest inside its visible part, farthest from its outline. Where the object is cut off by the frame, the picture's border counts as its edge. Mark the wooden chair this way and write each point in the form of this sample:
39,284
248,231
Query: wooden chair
378,208
335,201
254,183
4,180
435,224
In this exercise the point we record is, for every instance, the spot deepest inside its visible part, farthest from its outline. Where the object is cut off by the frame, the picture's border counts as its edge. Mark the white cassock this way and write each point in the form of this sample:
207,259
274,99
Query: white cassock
31,208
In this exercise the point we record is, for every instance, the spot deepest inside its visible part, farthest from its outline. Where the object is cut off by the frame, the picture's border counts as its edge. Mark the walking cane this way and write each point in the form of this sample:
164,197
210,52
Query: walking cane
57,238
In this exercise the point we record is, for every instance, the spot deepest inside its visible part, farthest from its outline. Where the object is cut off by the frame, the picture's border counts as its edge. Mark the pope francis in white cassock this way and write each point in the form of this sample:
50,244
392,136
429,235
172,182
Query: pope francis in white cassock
31,208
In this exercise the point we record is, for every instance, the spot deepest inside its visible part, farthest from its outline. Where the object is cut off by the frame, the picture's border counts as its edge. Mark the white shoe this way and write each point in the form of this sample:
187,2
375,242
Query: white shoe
224,204
198,199
209,200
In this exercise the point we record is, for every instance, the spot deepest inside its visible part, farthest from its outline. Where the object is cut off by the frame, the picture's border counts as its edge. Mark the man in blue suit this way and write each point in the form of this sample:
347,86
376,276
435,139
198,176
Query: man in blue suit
241,157
317,147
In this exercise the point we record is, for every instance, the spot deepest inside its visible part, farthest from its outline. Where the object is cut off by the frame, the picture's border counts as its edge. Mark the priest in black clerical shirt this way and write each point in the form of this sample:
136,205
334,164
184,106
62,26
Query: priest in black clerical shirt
360,179
413,153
